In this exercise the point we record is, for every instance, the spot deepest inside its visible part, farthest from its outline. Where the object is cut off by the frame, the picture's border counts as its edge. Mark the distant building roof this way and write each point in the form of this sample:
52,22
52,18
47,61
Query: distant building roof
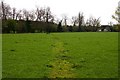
105,26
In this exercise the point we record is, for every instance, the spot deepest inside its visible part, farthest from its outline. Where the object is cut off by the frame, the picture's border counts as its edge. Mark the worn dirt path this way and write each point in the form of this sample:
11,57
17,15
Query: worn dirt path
61,67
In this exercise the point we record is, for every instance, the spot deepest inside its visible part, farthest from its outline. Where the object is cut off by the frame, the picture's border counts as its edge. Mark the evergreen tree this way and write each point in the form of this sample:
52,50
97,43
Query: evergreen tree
59,28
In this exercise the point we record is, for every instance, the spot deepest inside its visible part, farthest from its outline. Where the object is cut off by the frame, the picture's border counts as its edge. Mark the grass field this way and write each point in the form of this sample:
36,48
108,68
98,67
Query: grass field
0,56
63,55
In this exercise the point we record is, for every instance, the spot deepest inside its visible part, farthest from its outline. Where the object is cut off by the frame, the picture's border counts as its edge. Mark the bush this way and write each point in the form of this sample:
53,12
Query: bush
116,28
11,25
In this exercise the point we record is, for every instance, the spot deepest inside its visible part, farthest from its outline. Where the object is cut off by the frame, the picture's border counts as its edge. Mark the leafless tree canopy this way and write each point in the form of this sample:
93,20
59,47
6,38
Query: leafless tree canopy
64,18
93,22
6,10
40,14
117,15
80,18
74,20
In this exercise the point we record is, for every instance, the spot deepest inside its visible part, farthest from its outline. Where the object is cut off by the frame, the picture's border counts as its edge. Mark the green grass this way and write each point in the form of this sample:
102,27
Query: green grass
75,55
0,56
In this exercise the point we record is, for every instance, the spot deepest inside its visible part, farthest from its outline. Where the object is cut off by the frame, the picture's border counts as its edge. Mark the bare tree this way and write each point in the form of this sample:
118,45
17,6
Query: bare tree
64,16
6,11
32,15
117,15
74,20
25,14
80,20
92,23
48,15
40,14
14,13
1,10
18,15
52,19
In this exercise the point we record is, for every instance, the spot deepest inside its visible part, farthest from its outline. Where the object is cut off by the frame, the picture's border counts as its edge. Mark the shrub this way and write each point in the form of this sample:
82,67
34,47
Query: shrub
11,25
116,28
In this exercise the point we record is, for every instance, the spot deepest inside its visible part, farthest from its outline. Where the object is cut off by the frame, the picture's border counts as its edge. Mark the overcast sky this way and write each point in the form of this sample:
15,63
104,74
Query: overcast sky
97,8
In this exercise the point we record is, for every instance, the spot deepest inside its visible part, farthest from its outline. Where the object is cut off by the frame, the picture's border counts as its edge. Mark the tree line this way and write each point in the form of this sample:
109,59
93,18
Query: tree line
42,20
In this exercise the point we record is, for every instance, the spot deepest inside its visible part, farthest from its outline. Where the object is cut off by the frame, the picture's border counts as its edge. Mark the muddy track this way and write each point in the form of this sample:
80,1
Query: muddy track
61,67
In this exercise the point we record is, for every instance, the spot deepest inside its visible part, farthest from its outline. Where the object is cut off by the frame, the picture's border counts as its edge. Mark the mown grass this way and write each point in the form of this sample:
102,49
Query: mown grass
90,55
